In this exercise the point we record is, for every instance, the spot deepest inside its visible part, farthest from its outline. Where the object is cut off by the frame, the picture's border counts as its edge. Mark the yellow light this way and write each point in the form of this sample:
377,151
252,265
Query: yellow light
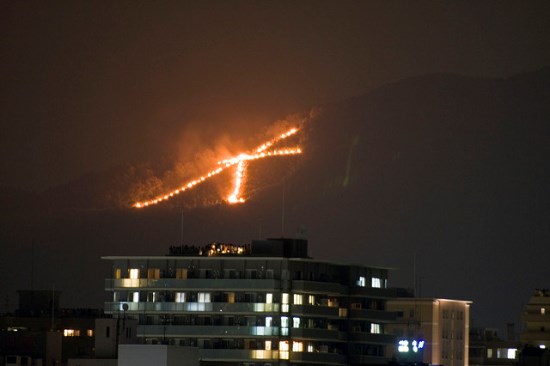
239,160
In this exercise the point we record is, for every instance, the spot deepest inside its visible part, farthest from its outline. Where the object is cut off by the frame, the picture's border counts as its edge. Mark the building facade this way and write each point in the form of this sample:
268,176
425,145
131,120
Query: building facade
266,303
536,320
441,325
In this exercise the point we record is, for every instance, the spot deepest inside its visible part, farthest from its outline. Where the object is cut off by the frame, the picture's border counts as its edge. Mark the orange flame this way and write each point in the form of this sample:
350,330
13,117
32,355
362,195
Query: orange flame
240,161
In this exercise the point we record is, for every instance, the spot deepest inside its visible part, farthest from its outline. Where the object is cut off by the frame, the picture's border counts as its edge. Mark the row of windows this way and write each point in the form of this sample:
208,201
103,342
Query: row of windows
458,335
184,273
77,333
459,315
225,297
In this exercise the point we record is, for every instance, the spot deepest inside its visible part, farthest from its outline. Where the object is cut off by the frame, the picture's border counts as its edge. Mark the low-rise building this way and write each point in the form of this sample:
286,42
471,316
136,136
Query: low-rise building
439,328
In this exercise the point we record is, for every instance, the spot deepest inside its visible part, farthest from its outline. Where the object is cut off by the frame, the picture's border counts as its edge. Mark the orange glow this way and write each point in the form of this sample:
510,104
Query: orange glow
240,161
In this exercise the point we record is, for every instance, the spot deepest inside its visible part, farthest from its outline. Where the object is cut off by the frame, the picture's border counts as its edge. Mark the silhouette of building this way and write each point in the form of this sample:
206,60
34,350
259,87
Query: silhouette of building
41,330
536,320
487,348
264,303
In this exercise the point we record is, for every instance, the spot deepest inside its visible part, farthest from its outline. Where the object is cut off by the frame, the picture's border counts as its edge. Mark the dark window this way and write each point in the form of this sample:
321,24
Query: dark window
107,332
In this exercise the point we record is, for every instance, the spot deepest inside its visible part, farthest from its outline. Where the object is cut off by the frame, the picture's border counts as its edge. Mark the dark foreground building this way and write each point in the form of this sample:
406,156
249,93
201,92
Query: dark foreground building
266,303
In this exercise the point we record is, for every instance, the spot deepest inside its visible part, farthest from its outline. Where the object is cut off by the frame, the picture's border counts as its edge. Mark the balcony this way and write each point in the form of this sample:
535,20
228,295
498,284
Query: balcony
191,307
318,334
314,310
218,331
318,358
327,288
221,284
376,315
361,337
372,292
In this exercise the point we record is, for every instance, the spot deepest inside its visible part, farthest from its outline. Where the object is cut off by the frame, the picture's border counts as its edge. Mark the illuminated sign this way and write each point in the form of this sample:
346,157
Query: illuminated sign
406,346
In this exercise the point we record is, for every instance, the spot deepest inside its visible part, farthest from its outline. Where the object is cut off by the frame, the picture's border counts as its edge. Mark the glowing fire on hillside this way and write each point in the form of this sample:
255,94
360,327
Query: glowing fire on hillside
240,163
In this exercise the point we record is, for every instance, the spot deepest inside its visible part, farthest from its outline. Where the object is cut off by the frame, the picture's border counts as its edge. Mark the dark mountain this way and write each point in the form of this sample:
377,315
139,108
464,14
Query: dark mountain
444,171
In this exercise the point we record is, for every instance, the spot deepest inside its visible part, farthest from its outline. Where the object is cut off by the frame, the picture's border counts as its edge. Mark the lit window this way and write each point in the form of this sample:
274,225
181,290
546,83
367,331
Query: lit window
297,346
342,312
181,273
135,296
268,345
542,311
118,273
231,297
310,347
269,298
134,273
71,333
204,297
376,282
542,346
489,353
268,321
90,332
311,300
285,298
511,355
298,299
362,282
180,296
375,328
284,308
296,322
284,322
283,350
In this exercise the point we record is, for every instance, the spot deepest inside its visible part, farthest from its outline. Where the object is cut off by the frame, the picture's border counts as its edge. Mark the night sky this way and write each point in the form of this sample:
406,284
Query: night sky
427,133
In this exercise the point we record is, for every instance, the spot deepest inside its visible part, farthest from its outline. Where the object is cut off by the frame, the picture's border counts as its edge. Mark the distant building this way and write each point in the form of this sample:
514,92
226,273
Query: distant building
266,303
41,330
536,320
440,328
487,348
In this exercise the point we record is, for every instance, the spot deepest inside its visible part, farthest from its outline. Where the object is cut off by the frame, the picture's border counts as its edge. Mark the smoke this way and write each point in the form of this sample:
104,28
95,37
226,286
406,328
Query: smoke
198,154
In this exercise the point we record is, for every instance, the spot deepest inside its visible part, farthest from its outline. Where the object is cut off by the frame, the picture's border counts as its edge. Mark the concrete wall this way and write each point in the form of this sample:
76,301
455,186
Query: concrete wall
158,355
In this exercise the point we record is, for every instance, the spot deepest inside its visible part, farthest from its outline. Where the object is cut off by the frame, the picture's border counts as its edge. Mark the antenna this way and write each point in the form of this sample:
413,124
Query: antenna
414,274
181,236
283,213
53,306
32,265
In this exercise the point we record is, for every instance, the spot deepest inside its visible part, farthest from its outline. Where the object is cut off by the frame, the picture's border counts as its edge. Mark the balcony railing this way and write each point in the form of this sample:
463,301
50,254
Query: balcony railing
377,315
328,288
192,283
218,331
191,307
371,338
322,334
314,310
323,358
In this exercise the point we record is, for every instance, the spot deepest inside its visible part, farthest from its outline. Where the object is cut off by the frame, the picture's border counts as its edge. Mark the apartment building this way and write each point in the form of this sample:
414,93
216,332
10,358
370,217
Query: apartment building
264,303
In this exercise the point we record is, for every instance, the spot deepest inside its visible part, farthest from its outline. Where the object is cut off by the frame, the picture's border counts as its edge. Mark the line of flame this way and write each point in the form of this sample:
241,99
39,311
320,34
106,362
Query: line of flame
240,161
